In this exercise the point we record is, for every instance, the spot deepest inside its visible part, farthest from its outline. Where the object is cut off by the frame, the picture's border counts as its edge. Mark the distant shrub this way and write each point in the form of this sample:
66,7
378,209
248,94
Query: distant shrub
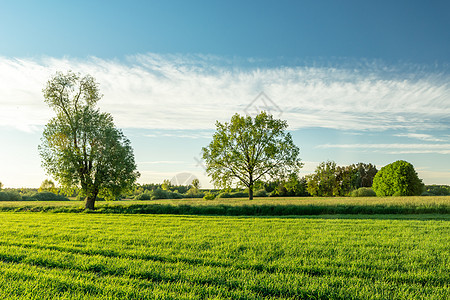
193,193
174,195
233,195
224,195
163,194
209,196
427,194
436,190
144,196
363,192
48,196
261,193
10,196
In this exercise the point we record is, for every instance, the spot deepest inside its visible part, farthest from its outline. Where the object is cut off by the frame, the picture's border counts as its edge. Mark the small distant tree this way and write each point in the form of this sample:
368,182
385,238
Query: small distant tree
196,183
48,186
364,175
250,149
81,147
397,179
166,185
322,182
1,185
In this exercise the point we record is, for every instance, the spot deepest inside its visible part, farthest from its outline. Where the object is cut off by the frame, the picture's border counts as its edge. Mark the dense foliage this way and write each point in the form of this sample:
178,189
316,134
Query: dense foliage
165,190
92,256
363,192
81,147
398,179
15,195
250,149
437,190
331,180
48,186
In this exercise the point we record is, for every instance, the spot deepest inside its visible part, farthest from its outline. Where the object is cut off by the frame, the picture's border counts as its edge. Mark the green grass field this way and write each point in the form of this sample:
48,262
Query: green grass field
117,256
245,207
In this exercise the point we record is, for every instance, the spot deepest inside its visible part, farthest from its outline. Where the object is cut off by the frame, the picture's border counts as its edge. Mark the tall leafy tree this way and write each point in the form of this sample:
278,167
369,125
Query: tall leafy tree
322,182
249,149
397,179
196,183
364,175
81,147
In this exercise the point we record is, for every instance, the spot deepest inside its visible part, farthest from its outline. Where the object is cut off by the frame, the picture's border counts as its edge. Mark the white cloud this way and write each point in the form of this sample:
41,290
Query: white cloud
192,92
394,148
421,136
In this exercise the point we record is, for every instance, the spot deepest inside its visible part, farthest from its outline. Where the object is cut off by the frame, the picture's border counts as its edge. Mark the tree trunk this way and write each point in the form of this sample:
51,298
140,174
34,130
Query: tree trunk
90,201
250,187
250,192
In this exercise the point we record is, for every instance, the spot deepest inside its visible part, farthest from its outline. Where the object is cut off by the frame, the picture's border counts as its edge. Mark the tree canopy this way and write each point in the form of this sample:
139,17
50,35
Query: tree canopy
81,147
249,149
48,186
332,180
397,179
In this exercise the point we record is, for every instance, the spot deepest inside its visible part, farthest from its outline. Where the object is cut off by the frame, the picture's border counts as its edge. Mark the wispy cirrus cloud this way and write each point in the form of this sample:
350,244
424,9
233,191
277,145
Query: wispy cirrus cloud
180,92
421,136
394,148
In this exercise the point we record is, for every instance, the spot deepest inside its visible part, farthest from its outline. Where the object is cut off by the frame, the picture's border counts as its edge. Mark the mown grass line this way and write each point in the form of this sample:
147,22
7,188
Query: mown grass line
310,271
219,280
37,282
216,276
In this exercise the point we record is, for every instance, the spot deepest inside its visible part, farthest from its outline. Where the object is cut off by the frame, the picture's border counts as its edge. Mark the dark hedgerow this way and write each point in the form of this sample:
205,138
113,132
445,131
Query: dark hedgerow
363,192
247,210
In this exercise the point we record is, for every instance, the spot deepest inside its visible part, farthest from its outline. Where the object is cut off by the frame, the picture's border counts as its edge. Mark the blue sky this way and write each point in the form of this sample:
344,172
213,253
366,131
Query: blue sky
356,80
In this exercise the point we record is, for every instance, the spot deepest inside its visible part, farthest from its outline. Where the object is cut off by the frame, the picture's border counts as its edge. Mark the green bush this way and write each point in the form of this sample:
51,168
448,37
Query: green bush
144,196
261,193
159,194
427,194
224,195
13,195
233,195
48,196
209,196
10,196
397,179
193,193
363,192
162,194
436,190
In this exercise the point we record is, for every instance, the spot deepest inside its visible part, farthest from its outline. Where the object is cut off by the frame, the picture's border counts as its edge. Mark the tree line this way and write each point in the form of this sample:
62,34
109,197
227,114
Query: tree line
84,151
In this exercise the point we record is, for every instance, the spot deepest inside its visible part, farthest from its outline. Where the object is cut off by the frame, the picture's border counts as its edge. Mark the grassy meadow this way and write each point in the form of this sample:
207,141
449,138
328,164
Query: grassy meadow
116,256
243,206
227,249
